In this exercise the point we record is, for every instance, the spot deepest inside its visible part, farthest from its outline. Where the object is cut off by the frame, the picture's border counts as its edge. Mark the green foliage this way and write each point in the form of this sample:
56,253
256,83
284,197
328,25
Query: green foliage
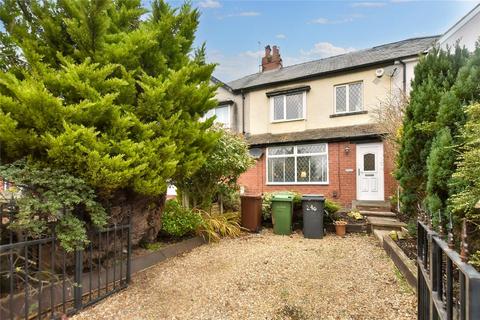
434,75
219,225
107,96
440,166
220,172
412,228
231,200
53,200
331,206
104,92
467,175
154,246
179,221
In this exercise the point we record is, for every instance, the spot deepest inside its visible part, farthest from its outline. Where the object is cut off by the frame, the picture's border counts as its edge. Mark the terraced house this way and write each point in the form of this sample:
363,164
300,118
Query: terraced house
310,125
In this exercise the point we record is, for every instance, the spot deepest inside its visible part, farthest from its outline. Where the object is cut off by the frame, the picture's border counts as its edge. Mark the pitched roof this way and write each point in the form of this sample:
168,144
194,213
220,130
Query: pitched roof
221,83
323,134
376,55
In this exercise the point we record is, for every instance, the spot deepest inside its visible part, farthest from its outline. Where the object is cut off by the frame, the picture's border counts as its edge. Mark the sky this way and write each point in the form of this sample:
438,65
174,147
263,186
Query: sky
236,32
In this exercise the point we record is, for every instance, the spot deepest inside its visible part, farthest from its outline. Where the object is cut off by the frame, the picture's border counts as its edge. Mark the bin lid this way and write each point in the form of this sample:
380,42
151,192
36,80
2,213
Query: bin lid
283,197
309,197
252,196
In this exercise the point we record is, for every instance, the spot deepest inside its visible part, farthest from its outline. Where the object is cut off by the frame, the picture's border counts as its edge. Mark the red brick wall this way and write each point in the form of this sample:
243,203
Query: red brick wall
342,183
389,167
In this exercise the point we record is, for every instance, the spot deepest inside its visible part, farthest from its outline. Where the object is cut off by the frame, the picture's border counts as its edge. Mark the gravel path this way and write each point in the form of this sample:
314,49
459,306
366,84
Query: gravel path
267,277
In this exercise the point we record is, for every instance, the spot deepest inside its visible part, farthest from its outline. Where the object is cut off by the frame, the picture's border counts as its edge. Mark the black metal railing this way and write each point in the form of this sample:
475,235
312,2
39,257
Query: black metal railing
448,287
40,280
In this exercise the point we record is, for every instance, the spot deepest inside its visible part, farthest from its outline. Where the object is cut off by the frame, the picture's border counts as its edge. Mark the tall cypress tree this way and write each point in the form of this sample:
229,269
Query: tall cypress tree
434,75
109,93
450,119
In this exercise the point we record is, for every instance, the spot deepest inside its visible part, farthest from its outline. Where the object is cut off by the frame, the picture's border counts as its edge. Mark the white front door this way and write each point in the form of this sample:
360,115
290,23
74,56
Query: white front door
370,171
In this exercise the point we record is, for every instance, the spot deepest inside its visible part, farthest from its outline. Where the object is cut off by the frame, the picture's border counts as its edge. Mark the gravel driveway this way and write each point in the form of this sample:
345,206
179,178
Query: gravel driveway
267,277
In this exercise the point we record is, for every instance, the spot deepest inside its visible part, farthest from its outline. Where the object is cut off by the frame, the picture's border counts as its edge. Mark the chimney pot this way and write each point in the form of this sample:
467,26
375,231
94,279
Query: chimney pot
269,61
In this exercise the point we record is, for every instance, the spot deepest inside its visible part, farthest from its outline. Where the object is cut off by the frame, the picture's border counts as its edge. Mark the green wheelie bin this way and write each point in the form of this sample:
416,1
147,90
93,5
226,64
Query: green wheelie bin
282,211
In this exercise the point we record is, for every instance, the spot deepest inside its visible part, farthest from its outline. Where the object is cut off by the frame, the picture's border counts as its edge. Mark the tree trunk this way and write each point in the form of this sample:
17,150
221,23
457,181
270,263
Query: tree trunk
143,213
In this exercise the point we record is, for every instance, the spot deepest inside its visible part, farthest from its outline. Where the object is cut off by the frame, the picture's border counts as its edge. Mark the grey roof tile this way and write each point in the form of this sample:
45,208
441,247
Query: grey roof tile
378,54
323,134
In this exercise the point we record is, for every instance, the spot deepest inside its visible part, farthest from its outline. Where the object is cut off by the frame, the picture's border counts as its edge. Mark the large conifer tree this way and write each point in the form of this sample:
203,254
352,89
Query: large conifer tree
450,119
434,75
109,93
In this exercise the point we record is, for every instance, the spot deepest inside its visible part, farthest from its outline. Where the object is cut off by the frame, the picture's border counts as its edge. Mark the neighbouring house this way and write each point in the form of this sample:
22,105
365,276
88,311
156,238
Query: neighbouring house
466,31
229,105
308,125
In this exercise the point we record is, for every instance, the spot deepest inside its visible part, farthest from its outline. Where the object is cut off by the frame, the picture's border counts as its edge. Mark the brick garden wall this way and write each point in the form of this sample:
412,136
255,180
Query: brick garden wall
342,183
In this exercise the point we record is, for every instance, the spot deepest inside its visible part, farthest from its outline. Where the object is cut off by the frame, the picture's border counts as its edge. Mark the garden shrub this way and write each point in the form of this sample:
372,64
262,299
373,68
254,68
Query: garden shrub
231,200
218,176
53,201
331,206
217,225
178,221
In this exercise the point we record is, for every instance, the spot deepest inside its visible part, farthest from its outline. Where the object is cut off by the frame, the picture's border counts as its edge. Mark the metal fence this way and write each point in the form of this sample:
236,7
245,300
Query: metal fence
38,279
448,287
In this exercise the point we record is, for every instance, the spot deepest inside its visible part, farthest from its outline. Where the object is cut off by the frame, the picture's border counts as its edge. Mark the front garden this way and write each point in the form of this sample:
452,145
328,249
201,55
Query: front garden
264,276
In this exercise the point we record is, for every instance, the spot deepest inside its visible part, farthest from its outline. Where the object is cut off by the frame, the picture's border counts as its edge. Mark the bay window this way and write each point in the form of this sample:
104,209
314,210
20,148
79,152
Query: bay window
301,164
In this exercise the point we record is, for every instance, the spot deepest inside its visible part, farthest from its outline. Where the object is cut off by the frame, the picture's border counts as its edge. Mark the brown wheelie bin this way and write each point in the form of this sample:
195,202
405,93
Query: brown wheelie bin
251,212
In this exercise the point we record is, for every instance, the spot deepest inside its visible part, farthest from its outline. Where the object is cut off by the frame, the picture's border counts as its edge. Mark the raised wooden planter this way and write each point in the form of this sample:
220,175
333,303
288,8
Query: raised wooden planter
351,228
402,262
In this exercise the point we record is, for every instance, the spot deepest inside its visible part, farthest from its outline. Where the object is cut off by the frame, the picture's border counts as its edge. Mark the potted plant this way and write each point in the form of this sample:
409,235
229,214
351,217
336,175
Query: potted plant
340,227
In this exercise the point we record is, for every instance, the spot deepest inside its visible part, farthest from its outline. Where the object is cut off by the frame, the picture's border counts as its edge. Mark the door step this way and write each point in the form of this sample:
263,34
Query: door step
371,205
379,214
377,223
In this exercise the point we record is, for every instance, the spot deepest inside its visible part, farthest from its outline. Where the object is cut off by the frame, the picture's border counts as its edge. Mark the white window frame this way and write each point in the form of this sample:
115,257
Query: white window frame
304,107
294,155
347,86
229,108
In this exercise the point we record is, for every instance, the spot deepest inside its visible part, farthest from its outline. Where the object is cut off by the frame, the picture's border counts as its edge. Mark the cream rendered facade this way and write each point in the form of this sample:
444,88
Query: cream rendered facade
320,101
226,97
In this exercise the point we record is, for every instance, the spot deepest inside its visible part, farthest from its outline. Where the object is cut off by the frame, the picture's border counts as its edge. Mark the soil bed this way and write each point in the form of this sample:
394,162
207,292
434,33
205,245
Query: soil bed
344,216
264,276
409,246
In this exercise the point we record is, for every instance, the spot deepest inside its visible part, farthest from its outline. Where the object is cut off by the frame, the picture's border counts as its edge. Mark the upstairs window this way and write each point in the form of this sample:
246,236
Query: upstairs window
222,113
287,107
349,97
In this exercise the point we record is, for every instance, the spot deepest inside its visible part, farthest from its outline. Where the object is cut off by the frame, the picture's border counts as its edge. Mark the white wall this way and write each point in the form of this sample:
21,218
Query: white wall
467,31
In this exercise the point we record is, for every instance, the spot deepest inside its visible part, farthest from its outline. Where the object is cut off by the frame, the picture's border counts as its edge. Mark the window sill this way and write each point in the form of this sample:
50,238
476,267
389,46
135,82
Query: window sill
297,183
347,114
290,120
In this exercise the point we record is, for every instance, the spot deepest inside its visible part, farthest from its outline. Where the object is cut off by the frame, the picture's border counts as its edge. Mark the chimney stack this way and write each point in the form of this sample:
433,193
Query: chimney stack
271,61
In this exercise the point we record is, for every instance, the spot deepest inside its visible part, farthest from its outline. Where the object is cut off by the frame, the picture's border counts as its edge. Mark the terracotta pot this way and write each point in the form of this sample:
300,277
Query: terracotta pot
341,229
